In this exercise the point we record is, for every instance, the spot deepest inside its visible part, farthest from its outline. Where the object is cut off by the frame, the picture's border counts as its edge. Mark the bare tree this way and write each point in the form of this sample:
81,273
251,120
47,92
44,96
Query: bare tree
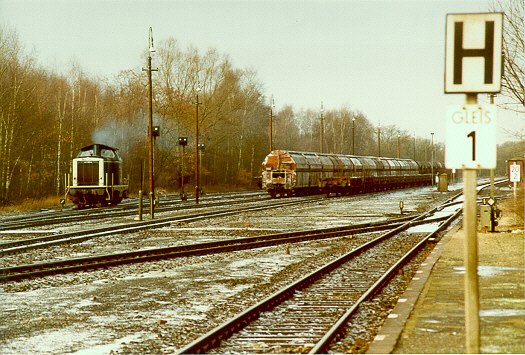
513,85
18,84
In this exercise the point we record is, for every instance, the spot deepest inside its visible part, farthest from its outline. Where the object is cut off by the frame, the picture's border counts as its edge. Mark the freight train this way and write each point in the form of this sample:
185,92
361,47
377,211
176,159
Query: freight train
97,177
292,173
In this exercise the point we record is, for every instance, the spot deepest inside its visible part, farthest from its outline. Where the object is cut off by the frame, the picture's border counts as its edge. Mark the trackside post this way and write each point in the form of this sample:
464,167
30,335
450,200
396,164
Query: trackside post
471,255
473,64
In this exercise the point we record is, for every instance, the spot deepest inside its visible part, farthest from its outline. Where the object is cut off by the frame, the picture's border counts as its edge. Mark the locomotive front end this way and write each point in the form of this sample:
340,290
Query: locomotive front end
97,177
278,175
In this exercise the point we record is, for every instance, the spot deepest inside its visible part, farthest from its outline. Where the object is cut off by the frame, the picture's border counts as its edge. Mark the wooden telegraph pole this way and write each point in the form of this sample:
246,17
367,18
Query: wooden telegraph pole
149,69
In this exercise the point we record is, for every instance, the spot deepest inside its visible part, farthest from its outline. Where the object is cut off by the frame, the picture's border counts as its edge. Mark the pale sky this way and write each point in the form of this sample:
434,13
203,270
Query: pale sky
383,58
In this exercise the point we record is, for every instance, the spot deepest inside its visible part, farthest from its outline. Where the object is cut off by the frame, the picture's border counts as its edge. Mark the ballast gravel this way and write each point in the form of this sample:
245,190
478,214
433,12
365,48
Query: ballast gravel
158,307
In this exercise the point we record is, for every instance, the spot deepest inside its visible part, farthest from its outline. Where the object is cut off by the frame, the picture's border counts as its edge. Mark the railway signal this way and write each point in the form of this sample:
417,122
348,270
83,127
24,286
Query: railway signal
200,147
183,142
473,64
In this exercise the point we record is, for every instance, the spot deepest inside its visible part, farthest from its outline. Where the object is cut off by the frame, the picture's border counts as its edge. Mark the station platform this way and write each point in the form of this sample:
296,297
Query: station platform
430,317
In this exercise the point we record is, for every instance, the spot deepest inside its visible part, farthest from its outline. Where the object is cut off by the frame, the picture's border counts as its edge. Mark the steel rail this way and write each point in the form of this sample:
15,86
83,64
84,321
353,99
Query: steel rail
18,246
123,209
323,345
101,261
100,213
226,329
80,236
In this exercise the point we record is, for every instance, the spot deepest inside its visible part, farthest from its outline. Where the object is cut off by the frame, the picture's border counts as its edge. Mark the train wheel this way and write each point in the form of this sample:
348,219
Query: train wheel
116,201
117,198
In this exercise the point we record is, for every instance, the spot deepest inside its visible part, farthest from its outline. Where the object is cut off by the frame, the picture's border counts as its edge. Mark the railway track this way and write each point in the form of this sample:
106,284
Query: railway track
16,273
310,313
223,284
170,203
19,246
313,312
100,261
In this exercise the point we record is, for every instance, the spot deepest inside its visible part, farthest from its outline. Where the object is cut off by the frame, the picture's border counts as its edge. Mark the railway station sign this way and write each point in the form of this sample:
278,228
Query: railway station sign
473,59
514,172
471,137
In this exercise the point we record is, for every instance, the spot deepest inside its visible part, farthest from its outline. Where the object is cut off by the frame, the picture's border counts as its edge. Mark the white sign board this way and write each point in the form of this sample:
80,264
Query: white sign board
471,137
514,171
473,59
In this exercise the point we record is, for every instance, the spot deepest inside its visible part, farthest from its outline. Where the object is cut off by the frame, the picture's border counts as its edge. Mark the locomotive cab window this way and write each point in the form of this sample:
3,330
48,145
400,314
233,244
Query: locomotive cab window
106,153
85,153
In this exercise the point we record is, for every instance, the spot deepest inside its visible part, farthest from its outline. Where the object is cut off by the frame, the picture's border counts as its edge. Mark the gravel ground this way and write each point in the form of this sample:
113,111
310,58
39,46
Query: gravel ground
159,307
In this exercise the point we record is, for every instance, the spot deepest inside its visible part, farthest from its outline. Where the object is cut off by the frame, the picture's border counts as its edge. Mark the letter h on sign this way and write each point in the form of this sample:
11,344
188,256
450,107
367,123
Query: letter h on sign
460,52
473,53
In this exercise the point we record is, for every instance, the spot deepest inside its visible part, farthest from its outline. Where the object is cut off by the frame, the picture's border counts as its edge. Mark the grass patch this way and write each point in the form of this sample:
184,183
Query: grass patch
514,207
29,205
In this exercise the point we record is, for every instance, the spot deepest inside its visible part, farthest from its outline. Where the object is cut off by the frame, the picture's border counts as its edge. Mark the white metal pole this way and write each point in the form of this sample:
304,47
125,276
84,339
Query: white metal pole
471,262
515,200
515,195
492,170
471,255
432,166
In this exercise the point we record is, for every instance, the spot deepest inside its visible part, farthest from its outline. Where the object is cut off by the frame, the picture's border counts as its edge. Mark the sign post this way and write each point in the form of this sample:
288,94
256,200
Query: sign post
515,177
515,172
472,65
